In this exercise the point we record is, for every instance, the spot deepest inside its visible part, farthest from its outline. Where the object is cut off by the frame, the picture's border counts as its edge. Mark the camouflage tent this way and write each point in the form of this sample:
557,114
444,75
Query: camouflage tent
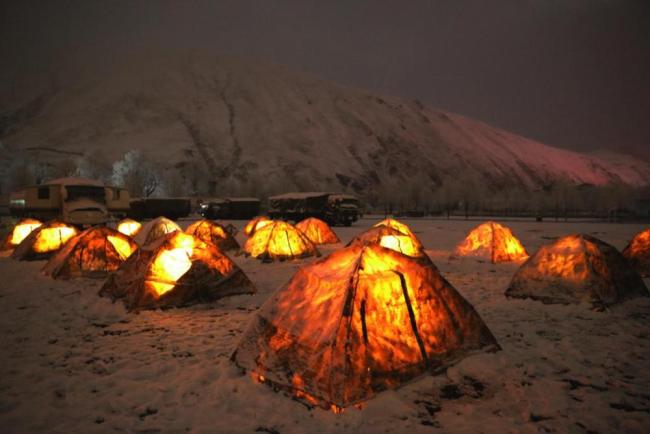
359,321
176,270
577,268
93,253
638,253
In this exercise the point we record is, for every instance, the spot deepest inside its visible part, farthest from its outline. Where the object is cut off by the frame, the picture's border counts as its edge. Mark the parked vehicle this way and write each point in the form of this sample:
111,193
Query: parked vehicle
149,208
335,209
231,208
76,201
344,209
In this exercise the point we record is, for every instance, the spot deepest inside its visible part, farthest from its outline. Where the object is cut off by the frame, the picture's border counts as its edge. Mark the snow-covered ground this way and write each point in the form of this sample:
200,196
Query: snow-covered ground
74,362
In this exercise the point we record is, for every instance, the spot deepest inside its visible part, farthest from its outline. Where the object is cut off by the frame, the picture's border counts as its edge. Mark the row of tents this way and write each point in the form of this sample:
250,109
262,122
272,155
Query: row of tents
367,317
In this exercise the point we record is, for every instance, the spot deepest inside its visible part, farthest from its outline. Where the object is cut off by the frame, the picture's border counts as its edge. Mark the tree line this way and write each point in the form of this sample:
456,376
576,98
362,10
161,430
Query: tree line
466,194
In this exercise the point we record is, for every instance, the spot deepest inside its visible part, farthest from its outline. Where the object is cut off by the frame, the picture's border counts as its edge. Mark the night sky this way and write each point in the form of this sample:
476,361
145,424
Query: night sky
570,73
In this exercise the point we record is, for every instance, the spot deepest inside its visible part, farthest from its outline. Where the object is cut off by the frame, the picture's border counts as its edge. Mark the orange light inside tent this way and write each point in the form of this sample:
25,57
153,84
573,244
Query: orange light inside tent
206,230
385,311
317,231
407,243
479,238
122,247
398,226
255,224
401,243
639,244
382,287
390,320
298,383
313,234
218,231
258,378
129,227
52,239
260,224
170,264
277,238
494,241
571,259
22,230
513,248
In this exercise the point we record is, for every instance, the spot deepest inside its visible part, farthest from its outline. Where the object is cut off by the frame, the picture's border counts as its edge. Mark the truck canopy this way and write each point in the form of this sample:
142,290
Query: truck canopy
75,180
298,196
242,199
343,197
299,202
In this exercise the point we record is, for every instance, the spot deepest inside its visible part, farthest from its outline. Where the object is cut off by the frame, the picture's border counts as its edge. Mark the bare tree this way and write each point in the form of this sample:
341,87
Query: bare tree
614,198
447,196
94,164
19,175
64,168
392,195
41,171
559,195
470,187
173,184
416,192
136,174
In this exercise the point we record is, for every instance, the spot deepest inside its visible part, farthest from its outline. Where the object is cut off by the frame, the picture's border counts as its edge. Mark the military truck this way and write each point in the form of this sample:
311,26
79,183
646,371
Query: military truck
76,201
335,209
345,208
233,208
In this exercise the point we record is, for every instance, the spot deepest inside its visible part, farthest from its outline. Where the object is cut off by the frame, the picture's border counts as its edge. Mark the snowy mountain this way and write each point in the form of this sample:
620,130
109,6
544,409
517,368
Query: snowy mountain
235,121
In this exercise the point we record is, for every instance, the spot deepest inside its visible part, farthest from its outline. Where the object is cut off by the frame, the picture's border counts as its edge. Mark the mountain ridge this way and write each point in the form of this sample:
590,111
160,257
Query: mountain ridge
237,121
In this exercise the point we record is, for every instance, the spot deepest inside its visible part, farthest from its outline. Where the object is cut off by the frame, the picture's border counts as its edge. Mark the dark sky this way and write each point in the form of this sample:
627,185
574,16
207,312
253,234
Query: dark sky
571,73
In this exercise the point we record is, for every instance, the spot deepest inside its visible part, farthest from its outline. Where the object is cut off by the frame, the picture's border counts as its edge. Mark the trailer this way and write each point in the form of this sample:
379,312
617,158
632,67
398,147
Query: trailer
231,208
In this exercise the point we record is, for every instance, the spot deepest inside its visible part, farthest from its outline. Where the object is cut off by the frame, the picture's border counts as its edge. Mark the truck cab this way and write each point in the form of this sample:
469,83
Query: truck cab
76,201
344,209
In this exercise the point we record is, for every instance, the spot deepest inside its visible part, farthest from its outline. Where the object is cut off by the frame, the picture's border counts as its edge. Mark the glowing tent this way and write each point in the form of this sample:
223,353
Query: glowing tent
212,232
492,241
256,223
22,229
175,270
359,321
638,253
129,227
43,241
155,229
318,231
398,226
574,269
279,241
93,253
391,238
